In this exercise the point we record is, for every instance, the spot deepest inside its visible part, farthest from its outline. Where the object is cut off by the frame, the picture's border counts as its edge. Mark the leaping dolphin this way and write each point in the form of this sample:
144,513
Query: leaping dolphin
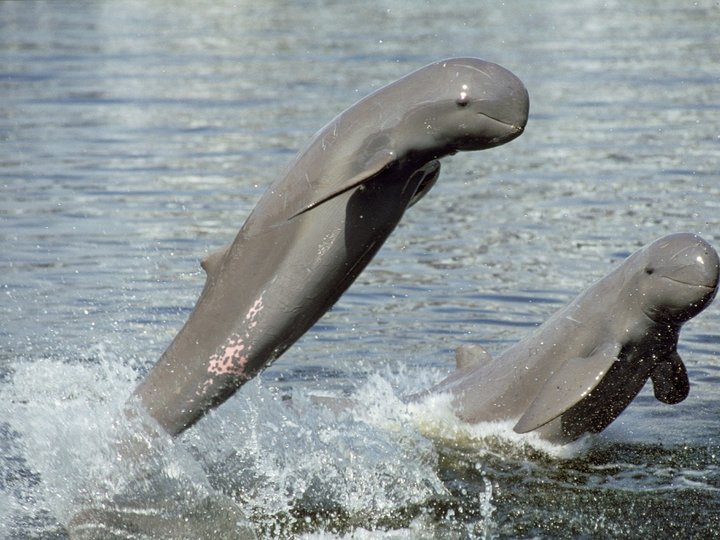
321,222
580,369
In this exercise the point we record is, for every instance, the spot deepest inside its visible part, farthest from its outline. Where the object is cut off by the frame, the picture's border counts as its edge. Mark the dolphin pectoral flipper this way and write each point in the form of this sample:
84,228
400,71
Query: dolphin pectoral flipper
329,190
471,356
431,172
670,380
569,384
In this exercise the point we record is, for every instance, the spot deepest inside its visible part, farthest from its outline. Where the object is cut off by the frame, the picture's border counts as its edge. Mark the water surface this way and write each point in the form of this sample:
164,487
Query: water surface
136,136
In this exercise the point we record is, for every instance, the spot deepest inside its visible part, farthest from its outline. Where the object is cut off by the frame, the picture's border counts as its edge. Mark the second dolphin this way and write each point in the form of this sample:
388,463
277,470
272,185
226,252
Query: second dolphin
581,368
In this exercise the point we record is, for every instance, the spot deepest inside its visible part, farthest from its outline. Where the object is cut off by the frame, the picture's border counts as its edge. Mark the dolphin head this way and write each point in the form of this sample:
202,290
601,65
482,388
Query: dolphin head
677,278
468,104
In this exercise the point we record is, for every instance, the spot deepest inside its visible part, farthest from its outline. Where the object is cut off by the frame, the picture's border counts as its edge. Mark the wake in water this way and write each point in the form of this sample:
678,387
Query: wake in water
263,464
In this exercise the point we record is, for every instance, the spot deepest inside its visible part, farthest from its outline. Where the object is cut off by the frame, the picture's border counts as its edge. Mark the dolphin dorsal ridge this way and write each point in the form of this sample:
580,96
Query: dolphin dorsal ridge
211,263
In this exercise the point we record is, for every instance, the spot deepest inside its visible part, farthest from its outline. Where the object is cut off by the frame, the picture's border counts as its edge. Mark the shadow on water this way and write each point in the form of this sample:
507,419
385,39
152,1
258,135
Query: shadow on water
611,490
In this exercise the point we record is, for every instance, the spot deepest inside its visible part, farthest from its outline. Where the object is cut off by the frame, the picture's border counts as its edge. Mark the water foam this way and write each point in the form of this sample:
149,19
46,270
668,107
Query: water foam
102,474
294,463
292,466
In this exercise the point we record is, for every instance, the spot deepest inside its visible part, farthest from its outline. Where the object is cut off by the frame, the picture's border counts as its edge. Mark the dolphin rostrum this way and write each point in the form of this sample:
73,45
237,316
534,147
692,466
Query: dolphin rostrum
580,369
321,222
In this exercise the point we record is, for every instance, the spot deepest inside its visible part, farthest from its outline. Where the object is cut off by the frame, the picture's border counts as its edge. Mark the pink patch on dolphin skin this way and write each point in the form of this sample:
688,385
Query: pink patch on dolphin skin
232,358
256,308
230,361
205,387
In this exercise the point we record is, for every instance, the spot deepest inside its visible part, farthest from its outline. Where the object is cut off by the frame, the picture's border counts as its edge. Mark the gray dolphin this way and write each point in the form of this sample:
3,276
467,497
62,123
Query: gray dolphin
580,369
321,222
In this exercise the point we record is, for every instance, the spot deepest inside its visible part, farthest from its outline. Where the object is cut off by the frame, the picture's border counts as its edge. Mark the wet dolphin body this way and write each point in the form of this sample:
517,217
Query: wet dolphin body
581,368
321,222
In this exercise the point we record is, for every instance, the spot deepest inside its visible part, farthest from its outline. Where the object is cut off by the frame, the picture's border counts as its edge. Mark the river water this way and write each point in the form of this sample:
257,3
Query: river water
136,136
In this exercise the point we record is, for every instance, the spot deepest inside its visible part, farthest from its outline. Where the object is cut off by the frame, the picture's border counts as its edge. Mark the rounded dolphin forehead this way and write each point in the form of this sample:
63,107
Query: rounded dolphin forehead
681,249
490,89
438,88
479,78
677,275
474,67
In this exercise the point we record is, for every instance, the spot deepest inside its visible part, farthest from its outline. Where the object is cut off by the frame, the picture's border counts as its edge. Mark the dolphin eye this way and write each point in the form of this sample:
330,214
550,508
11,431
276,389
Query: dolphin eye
462,99
649,270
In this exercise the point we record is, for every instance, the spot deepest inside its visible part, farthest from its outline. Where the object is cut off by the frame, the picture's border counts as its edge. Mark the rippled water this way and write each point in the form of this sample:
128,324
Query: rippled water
136,136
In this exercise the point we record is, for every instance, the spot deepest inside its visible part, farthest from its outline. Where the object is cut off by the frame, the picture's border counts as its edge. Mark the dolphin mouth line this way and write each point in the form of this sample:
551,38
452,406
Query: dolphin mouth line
514,127
689,284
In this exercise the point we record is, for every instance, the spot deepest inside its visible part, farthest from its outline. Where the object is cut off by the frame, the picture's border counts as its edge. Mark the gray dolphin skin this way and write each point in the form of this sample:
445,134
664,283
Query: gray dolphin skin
580,369
321,222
